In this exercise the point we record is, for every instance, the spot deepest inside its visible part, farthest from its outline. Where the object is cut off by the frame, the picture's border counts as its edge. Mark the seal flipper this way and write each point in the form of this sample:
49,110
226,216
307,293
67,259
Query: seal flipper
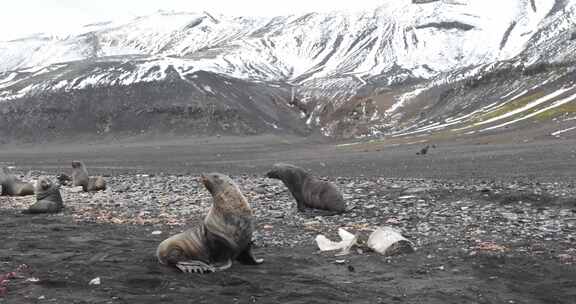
42,207
246,257
195,266
178,258
201,267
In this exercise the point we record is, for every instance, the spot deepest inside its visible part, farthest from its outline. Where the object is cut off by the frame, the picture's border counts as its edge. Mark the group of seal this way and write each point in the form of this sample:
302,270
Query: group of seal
80,177
226,232
48,197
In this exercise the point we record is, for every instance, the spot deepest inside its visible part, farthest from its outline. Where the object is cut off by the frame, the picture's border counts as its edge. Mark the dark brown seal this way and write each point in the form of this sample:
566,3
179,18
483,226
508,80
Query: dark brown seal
224,235
48,198
12,186
307,190
64,180
80,177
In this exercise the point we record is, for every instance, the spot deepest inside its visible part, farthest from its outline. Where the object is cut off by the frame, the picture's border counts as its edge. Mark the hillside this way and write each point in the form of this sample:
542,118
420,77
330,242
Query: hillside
404,68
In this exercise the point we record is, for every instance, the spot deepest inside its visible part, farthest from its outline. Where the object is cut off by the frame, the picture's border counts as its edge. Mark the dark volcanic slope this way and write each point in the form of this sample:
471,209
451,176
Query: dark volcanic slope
203,103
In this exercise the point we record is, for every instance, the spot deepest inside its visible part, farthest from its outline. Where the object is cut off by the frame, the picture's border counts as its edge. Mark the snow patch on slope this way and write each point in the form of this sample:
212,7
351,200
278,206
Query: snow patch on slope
424,39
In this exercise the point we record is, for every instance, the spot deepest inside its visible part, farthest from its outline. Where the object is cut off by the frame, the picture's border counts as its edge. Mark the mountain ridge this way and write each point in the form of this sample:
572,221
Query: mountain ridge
332,62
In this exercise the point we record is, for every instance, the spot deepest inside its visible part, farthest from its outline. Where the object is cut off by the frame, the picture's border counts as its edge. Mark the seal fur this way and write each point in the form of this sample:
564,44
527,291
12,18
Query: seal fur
224,235
48,198
11,186
80,177
307,190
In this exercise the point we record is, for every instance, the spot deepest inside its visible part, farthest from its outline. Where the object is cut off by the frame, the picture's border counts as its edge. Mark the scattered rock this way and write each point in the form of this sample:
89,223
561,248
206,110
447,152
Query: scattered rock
95,281
427,210
261,189
74,189
415,190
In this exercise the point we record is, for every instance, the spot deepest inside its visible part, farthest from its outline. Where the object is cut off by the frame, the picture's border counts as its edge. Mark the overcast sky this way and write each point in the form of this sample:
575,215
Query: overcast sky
23,17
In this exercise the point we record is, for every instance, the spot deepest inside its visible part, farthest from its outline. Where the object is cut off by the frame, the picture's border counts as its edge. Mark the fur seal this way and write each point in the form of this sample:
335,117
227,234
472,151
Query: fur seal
12,186
224,235
48,198
63,179
80,178
308,190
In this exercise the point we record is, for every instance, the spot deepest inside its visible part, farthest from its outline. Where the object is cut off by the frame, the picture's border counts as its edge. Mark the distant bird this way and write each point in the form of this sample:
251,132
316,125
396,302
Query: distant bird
424,150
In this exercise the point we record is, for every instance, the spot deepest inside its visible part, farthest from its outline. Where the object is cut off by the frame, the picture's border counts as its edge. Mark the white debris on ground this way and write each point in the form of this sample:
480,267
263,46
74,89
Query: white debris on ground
388,241
348,240
95,281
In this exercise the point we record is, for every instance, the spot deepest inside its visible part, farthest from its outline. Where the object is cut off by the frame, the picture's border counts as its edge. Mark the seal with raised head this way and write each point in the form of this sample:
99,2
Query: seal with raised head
80,177
224,235
12,186
307,190
48,198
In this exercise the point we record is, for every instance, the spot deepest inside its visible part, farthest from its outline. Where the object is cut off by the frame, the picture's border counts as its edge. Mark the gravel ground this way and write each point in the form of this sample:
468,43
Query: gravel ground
478,240
528,216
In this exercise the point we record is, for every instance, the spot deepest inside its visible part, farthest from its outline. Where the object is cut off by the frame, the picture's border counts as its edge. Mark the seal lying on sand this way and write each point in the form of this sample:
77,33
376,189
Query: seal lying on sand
308,190
225,234
48,198
80,178
12,186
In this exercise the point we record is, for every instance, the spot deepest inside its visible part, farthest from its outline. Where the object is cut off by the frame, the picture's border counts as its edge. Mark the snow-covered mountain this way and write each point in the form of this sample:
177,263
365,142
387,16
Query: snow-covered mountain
325,67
